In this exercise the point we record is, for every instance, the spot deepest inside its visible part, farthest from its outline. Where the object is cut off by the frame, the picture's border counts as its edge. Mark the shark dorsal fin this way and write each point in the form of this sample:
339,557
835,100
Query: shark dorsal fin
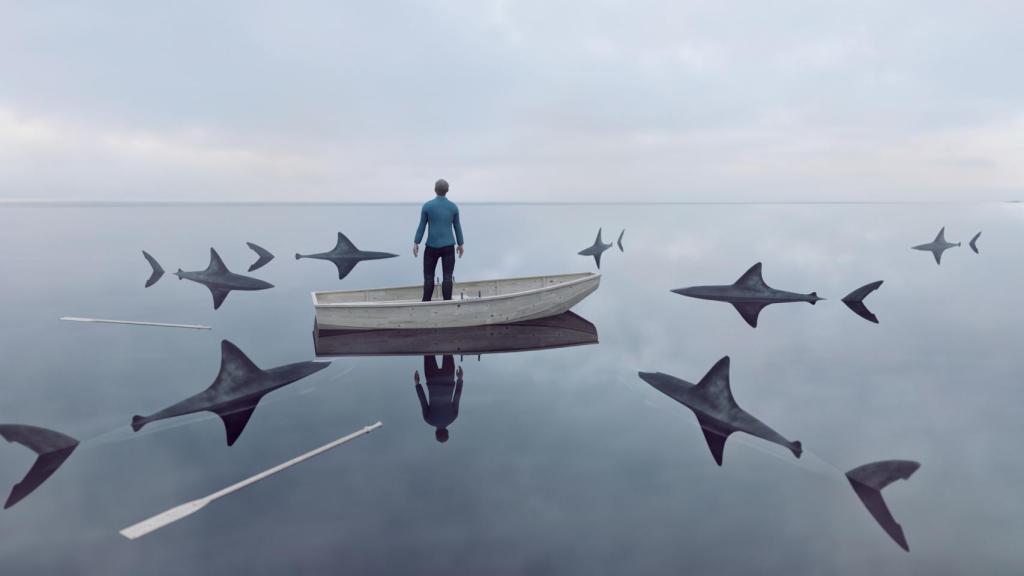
216,264
751,278
715,385
598,242
344,244
941,237
235,370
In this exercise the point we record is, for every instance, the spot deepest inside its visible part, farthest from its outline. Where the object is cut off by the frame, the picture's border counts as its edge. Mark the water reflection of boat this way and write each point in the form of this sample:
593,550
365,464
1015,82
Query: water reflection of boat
563,330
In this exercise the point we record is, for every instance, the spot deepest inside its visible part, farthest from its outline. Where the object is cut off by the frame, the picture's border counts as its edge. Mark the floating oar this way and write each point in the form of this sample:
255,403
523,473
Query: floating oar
187,509
134,323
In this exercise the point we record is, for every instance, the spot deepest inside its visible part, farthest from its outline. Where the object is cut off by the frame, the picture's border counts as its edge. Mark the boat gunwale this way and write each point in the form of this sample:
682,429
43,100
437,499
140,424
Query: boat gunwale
402,303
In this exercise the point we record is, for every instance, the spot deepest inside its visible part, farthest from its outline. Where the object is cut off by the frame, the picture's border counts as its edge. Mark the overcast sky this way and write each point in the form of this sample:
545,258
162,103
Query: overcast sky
509,100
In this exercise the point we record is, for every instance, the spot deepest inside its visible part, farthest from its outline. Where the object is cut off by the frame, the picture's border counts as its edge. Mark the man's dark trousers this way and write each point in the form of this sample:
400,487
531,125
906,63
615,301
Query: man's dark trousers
430,257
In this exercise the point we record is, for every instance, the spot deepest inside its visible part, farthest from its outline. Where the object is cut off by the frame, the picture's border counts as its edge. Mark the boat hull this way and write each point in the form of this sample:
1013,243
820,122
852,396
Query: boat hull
550,298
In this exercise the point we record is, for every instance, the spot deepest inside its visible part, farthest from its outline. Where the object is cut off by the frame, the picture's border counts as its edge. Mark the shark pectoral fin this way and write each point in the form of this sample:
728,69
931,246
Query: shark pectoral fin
344,244
219,294
749,311
597,259
158,270
751,278
235,421
716,441
345,267
938,256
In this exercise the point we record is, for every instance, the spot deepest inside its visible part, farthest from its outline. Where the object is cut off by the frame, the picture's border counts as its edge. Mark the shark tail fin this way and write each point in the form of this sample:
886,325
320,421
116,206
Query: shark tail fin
138,422
796,447
619,241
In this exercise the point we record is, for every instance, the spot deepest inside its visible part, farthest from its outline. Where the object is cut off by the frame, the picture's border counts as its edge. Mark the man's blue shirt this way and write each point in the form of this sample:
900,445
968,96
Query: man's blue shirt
442,214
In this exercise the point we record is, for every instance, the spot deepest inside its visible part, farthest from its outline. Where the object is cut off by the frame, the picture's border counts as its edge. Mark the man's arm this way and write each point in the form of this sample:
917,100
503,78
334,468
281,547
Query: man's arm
424,407
419,232
458,231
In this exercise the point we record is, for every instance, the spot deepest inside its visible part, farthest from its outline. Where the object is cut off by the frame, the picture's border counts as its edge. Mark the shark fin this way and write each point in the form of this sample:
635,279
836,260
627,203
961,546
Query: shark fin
264,256
715,384
749,311
751,278
219,294
216,264
598,241
619,241
52,447
345,267
716,441
941,236
869,480
938,256
974,243
158,270
235,421
235,368
855,301
344,244
597,259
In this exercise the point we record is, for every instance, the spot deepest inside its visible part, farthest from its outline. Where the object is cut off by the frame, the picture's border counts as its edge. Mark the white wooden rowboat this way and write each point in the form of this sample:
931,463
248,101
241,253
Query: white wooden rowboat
474,303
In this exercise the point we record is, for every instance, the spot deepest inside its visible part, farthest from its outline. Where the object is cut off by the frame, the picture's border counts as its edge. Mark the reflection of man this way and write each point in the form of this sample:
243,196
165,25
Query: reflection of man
444,391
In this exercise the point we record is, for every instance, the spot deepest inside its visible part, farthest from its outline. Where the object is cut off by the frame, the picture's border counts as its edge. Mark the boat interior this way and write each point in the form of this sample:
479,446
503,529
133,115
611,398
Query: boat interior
461,290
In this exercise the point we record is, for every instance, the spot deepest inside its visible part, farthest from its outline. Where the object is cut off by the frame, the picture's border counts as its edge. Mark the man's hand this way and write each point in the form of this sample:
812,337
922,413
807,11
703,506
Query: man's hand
415,250
459,250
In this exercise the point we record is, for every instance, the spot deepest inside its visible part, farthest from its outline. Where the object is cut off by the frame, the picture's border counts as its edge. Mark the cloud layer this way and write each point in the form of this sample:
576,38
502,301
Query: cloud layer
512,101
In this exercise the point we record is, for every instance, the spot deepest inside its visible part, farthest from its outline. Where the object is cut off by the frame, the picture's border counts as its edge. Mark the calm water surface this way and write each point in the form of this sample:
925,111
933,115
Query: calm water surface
560,461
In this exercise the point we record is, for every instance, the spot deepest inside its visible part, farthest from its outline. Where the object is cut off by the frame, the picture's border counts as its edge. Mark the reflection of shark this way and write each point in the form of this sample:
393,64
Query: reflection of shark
855,301
869,480
716,410
235,392
345,256
937,246
598,248
52,447
158,270
264,256
222,281
974,243
749,295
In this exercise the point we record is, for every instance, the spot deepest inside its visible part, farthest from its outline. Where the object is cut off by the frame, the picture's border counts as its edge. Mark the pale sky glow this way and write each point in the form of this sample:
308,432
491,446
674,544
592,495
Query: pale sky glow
509,100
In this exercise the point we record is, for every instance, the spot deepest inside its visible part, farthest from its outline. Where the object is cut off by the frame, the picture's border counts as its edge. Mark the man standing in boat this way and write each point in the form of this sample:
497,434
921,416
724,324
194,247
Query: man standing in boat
442,216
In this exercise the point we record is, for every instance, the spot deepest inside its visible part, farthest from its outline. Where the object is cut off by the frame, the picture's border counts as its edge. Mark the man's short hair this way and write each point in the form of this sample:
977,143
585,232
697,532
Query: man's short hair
441,187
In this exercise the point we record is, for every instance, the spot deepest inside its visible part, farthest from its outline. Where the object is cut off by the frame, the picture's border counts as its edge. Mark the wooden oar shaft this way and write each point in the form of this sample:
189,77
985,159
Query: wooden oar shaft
178,512
134,323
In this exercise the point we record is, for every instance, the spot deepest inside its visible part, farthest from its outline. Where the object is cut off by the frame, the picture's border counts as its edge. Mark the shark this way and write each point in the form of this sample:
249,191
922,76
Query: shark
235,392
937,246
264,256
974,243
749,295
52,448
158,270
599,247
345,256
220,280
717,413
869,480
855,301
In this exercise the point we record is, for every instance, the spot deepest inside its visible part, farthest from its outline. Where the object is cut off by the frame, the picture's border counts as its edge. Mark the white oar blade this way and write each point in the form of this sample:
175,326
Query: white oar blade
134,323
163,519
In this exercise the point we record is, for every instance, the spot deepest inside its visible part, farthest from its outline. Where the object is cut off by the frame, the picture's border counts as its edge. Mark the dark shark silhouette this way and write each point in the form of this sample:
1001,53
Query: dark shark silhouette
869,480
158,270
619,241
749,295
222,281
596,249
974,243
345,256
264,256
717,412
937,246
235,392
855,301
52,447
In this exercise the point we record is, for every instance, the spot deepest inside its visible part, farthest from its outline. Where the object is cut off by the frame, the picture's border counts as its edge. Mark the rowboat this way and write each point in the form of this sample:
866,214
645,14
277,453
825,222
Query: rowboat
479,303
561,331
